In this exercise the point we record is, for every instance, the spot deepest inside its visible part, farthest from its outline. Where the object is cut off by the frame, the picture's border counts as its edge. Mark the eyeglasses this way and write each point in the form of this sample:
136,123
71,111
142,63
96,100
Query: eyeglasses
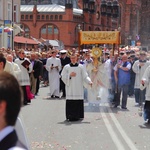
22,53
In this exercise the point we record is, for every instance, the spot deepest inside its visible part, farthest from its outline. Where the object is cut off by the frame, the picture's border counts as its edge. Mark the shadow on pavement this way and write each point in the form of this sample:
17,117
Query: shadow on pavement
91,108
67,123
145,126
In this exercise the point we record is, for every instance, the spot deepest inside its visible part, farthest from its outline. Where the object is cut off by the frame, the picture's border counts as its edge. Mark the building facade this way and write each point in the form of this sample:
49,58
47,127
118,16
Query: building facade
61,19
145,24
9,15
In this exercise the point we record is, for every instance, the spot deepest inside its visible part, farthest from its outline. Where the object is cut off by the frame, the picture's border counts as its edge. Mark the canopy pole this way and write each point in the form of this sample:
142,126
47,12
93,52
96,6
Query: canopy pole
113,49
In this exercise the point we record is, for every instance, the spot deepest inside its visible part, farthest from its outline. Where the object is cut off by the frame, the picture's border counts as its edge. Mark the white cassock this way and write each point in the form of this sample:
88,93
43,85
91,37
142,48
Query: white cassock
54,76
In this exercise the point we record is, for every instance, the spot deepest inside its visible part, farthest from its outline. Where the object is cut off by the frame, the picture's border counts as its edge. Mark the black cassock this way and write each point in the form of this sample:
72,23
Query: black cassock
74,110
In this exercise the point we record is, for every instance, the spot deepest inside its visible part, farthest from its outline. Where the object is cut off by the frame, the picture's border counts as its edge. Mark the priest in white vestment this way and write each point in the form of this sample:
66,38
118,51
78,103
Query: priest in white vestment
100,78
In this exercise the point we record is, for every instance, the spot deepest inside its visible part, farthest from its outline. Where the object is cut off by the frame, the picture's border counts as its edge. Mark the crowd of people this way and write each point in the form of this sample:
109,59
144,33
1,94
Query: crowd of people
119,76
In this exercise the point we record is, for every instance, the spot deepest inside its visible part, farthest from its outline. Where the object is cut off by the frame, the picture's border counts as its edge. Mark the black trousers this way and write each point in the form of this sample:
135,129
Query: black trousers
37,85
62,88
26,99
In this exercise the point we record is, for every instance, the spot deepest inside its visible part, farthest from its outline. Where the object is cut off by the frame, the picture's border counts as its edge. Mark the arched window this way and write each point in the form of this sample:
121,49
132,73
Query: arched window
43,30
49,31
38,17
60,17
22,17
26,16
43,17
51,17
31,16
55,30
56,17
47,17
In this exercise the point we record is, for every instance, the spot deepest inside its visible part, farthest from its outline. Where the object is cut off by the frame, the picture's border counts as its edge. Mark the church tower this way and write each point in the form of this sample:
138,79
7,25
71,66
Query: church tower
69,4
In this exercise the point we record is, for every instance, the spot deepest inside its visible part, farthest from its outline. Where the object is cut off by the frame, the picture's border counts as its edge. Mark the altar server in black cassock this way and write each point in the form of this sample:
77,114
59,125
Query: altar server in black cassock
74,76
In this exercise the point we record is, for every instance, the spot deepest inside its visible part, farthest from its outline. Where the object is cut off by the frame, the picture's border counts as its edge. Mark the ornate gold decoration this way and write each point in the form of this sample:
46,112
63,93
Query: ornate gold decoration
96,53
101,37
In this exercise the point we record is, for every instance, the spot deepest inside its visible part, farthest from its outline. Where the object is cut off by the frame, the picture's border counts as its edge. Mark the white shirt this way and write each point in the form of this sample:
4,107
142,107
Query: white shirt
128,66
16,148
4,132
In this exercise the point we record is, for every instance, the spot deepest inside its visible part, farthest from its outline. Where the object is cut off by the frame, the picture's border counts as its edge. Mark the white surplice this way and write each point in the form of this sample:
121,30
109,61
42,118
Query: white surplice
74,85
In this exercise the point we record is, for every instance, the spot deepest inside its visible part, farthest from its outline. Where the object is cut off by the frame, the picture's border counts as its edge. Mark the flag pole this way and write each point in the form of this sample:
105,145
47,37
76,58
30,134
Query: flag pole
12,33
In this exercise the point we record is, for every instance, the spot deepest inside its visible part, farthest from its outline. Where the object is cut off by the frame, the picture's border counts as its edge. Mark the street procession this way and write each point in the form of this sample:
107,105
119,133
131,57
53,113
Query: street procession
74,75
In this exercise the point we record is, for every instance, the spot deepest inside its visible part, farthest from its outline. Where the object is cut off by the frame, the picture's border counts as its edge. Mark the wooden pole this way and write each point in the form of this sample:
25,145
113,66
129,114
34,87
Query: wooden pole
113,49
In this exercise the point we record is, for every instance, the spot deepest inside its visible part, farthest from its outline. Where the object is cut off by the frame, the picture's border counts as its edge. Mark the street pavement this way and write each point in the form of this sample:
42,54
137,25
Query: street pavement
103,128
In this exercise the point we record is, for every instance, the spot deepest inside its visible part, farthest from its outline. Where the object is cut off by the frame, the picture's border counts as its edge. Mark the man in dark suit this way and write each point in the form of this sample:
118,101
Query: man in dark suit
64,61
35,72
10,104
40,73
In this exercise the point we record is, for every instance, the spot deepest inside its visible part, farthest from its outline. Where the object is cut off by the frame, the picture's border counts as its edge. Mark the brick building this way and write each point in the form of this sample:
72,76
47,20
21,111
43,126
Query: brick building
60,19
145,23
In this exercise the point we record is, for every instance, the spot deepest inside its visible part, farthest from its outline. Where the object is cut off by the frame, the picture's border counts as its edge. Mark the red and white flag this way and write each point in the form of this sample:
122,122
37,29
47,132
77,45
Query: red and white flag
7,29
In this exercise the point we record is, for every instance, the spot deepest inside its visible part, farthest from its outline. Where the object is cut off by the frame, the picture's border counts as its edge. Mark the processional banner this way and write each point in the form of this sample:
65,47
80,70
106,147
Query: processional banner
99,37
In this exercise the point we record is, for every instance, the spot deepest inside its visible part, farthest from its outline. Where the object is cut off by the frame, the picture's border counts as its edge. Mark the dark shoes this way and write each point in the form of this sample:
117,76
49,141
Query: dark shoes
125,108
72,119
53,96
57,97
115,106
